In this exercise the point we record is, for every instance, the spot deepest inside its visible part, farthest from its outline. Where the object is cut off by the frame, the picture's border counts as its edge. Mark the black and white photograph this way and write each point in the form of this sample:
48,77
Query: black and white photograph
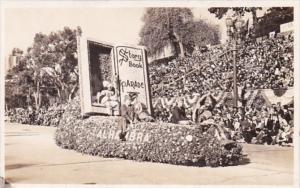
177,93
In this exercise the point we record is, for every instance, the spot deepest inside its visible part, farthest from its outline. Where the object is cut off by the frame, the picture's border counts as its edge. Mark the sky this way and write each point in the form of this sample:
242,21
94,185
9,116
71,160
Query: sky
113,25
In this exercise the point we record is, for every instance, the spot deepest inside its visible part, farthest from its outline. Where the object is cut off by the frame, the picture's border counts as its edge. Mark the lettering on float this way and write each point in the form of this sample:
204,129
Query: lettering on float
132,60
131,84
131,136
128,56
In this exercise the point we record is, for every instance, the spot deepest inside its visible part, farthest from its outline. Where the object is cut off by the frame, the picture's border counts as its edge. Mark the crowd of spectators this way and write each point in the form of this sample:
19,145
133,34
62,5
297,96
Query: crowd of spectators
261,65
251,124
265,64
266,125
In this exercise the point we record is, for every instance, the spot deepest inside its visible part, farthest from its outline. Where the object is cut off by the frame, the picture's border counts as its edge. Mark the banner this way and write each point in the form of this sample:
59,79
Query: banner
283,96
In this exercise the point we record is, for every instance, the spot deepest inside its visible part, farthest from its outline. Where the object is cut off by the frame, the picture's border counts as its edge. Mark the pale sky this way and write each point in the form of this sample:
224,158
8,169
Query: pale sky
114,25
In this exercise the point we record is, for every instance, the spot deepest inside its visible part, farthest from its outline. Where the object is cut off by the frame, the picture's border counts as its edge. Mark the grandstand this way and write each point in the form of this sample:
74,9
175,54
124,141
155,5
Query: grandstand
265,81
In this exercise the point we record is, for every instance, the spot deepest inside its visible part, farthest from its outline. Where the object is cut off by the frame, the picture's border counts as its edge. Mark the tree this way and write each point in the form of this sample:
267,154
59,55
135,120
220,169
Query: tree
272,19
237,11
18,80
50,63
205,34
54,58
170,26
220,12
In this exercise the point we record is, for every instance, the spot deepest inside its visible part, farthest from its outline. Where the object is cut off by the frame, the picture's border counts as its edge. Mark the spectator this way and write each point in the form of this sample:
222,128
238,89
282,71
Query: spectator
178,114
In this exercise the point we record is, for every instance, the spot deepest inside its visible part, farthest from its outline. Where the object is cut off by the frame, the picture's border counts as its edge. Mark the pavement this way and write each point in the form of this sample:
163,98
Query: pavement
32,157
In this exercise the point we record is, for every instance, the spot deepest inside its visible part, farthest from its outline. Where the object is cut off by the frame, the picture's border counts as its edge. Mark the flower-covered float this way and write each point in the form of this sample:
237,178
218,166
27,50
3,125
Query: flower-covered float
144,141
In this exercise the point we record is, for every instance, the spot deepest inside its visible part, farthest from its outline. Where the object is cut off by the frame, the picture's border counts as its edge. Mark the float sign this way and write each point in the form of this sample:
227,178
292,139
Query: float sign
133,73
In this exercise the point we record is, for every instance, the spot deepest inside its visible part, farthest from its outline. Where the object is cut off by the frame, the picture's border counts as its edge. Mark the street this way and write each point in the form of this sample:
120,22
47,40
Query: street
31,156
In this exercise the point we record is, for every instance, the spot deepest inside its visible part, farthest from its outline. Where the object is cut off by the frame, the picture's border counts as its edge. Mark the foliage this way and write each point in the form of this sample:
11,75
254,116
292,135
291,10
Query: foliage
51,116
18,80
55,58
42,116
175,27
205,34
237,13
220,12
269,22
49,68
272,19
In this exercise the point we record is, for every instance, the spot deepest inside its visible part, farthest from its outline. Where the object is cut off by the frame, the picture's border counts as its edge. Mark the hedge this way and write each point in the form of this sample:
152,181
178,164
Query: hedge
45,117
155,142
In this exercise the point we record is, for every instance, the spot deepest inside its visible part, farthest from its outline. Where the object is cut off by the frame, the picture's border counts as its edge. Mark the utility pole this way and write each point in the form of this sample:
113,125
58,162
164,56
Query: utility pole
234,37
235,89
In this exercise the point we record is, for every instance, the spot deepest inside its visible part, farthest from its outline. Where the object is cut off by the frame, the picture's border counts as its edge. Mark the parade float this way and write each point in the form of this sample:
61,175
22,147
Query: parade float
89,123
145,141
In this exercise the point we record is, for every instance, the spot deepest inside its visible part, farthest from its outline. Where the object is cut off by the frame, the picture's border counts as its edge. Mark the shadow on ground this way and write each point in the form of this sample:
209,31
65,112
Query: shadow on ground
244,161
17,166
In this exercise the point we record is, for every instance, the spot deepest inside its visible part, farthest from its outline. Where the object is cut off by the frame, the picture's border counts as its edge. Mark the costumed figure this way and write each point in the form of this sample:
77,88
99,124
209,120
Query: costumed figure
127,118
203,111
140,109
108,98
178,114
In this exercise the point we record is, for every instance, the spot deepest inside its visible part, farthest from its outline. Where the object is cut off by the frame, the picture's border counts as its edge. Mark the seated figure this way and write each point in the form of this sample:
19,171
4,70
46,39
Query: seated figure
108,98
140,109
